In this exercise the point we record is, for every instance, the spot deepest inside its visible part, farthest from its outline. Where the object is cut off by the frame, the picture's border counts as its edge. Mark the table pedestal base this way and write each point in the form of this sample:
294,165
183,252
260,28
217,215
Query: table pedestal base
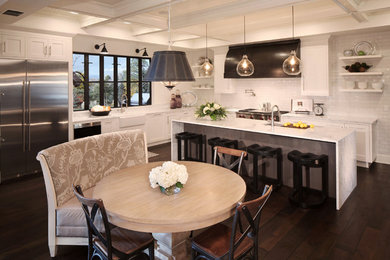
172,246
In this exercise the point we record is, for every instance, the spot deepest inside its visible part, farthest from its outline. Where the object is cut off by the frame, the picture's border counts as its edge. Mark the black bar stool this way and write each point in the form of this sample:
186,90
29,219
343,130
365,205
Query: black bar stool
266,152
189,138
217,141
308,160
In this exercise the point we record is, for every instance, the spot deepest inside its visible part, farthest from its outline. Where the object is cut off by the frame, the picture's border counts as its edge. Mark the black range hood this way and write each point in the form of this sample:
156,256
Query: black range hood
266,57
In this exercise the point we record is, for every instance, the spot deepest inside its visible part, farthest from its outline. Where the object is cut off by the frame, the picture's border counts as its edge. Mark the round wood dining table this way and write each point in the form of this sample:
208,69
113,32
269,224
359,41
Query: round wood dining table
209,197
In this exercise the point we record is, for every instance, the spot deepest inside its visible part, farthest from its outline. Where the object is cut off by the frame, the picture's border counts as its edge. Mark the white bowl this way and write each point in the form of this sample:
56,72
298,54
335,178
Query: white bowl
362,84
349,84
377,85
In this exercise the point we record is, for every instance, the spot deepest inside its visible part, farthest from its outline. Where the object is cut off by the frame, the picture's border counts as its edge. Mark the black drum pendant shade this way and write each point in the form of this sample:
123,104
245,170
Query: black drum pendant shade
169,66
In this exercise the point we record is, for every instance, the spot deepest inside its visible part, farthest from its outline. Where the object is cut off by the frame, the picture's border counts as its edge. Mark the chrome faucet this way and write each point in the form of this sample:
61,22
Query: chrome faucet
272,116
123,100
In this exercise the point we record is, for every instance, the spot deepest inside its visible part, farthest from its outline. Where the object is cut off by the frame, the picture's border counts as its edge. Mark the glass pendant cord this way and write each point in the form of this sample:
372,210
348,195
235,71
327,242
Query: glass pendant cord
206,69
169,26
245,67
206,41
291,65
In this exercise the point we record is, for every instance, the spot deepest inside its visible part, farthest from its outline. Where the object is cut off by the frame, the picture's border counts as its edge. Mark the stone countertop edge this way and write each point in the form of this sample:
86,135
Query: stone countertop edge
323,134
85,116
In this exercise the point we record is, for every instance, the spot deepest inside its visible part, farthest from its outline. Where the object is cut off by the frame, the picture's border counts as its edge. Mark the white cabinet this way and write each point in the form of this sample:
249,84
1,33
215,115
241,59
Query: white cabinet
46,48
110,125
315,66
12,46
156,127
365,150
221,85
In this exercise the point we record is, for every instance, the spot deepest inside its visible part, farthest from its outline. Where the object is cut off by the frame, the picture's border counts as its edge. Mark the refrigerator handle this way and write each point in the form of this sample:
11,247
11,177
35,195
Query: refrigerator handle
24,115
29,114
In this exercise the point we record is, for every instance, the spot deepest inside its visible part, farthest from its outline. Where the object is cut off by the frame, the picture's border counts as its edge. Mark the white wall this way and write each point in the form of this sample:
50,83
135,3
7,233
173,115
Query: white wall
280,91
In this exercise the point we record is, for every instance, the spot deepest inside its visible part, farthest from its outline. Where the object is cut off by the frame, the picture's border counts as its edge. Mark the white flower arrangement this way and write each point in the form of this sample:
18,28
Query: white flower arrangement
212,109
168,175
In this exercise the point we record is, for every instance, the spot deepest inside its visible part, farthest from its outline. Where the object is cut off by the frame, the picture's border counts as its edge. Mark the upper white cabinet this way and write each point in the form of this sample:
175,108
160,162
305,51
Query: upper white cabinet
26,45
315,66
12,46
46,48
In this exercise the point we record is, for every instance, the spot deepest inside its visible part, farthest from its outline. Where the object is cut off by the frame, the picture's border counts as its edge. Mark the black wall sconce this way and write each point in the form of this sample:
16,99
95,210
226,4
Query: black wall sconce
104,49
143,49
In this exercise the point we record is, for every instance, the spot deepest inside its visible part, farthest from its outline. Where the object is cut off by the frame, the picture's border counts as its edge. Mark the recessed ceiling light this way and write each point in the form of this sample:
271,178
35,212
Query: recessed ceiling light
126,22
73,12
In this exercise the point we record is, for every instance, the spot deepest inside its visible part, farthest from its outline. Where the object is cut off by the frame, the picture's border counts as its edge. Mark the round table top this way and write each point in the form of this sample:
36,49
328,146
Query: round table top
209,196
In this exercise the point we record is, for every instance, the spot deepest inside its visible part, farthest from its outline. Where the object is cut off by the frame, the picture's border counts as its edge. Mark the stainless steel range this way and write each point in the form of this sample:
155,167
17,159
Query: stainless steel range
252,113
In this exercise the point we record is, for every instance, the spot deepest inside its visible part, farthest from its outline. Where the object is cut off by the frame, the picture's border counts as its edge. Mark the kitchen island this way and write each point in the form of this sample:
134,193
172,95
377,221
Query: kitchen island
338,143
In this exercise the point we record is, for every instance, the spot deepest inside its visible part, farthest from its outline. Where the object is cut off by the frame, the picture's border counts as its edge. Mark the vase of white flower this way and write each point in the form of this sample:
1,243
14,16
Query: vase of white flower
170,177
211,109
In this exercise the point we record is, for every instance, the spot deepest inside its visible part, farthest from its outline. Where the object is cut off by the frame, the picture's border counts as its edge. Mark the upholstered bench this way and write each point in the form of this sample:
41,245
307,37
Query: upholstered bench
83,161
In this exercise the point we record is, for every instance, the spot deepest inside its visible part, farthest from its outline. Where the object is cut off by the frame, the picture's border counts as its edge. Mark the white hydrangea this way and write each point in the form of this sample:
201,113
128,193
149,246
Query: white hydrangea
168,174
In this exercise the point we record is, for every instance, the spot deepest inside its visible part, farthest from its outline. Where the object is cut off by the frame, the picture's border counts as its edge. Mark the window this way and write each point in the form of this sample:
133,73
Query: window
109,80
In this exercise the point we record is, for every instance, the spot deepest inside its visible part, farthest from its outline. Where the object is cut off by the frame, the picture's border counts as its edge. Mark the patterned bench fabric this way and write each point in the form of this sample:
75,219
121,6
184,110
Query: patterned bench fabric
86,161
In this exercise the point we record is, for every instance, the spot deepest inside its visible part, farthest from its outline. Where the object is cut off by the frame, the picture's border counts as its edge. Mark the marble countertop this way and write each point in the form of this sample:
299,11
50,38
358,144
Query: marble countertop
85,116
318,133
338,118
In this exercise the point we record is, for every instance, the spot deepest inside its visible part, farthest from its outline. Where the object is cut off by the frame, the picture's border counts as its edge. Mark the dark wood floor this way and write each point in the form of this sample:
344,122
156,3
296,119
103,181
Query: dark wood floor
361,230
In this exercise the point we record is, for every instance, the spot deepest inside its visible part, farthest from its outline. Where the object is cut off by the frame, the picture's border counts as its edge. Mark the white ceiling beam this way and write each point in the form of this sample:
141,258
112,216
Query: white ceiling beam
149,21
374,5
351,8
85,7
237,8
136,7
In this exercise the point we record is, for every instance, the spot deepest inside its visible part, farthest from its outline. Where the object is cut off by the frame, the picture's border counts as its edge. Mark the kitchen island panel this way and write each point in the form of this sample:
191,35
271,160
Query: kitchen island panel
341,150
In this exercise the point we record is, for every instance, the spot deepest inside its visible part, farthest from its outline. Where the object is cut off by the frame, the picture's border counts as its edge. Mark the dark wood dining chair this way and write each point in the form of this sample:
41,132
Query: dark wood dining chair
236,157
110,242
237,242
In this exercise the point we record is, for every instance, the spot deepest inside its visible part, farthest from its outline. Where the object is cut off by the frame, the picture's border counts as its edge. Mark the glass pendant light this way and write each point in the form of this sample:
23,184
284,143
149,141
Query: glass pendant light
245,67
292,65
207,68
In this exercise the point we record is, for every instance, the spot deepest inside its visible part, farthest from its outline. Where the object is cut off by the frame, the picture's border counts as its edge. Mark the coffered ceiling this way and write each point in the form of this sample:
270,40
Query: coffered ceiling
147,20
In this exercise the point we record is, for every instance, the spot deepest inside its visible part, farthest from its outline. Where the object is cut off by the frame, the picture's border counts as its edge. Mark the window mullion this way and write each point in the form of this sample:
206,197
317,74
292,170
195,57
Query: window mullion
86,81
115,81
139,81
128,84
101,80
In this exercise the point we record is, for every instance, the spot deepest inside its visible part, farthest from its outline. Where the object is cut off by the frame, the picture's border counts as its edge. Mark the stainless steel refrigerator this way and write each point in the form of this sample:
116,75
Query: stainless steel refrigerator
33,113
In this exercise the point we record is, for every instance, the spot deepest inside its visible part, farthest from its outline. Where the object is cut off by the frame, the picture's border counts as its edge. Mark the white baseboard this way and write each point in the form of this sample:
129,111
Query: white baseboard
383,158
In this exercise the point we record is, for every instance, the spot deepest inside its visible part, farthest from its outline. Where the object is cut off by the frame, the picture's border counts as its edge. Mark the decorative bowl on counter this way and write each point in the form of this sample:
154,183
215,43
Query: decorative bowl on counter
100,110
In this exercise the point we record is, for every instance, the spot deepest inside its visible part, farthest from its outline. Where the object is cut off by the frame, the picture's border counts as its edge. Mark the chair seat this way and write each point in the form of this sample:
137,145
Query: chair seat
126,241
307,159
215,241
264,151
70,219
